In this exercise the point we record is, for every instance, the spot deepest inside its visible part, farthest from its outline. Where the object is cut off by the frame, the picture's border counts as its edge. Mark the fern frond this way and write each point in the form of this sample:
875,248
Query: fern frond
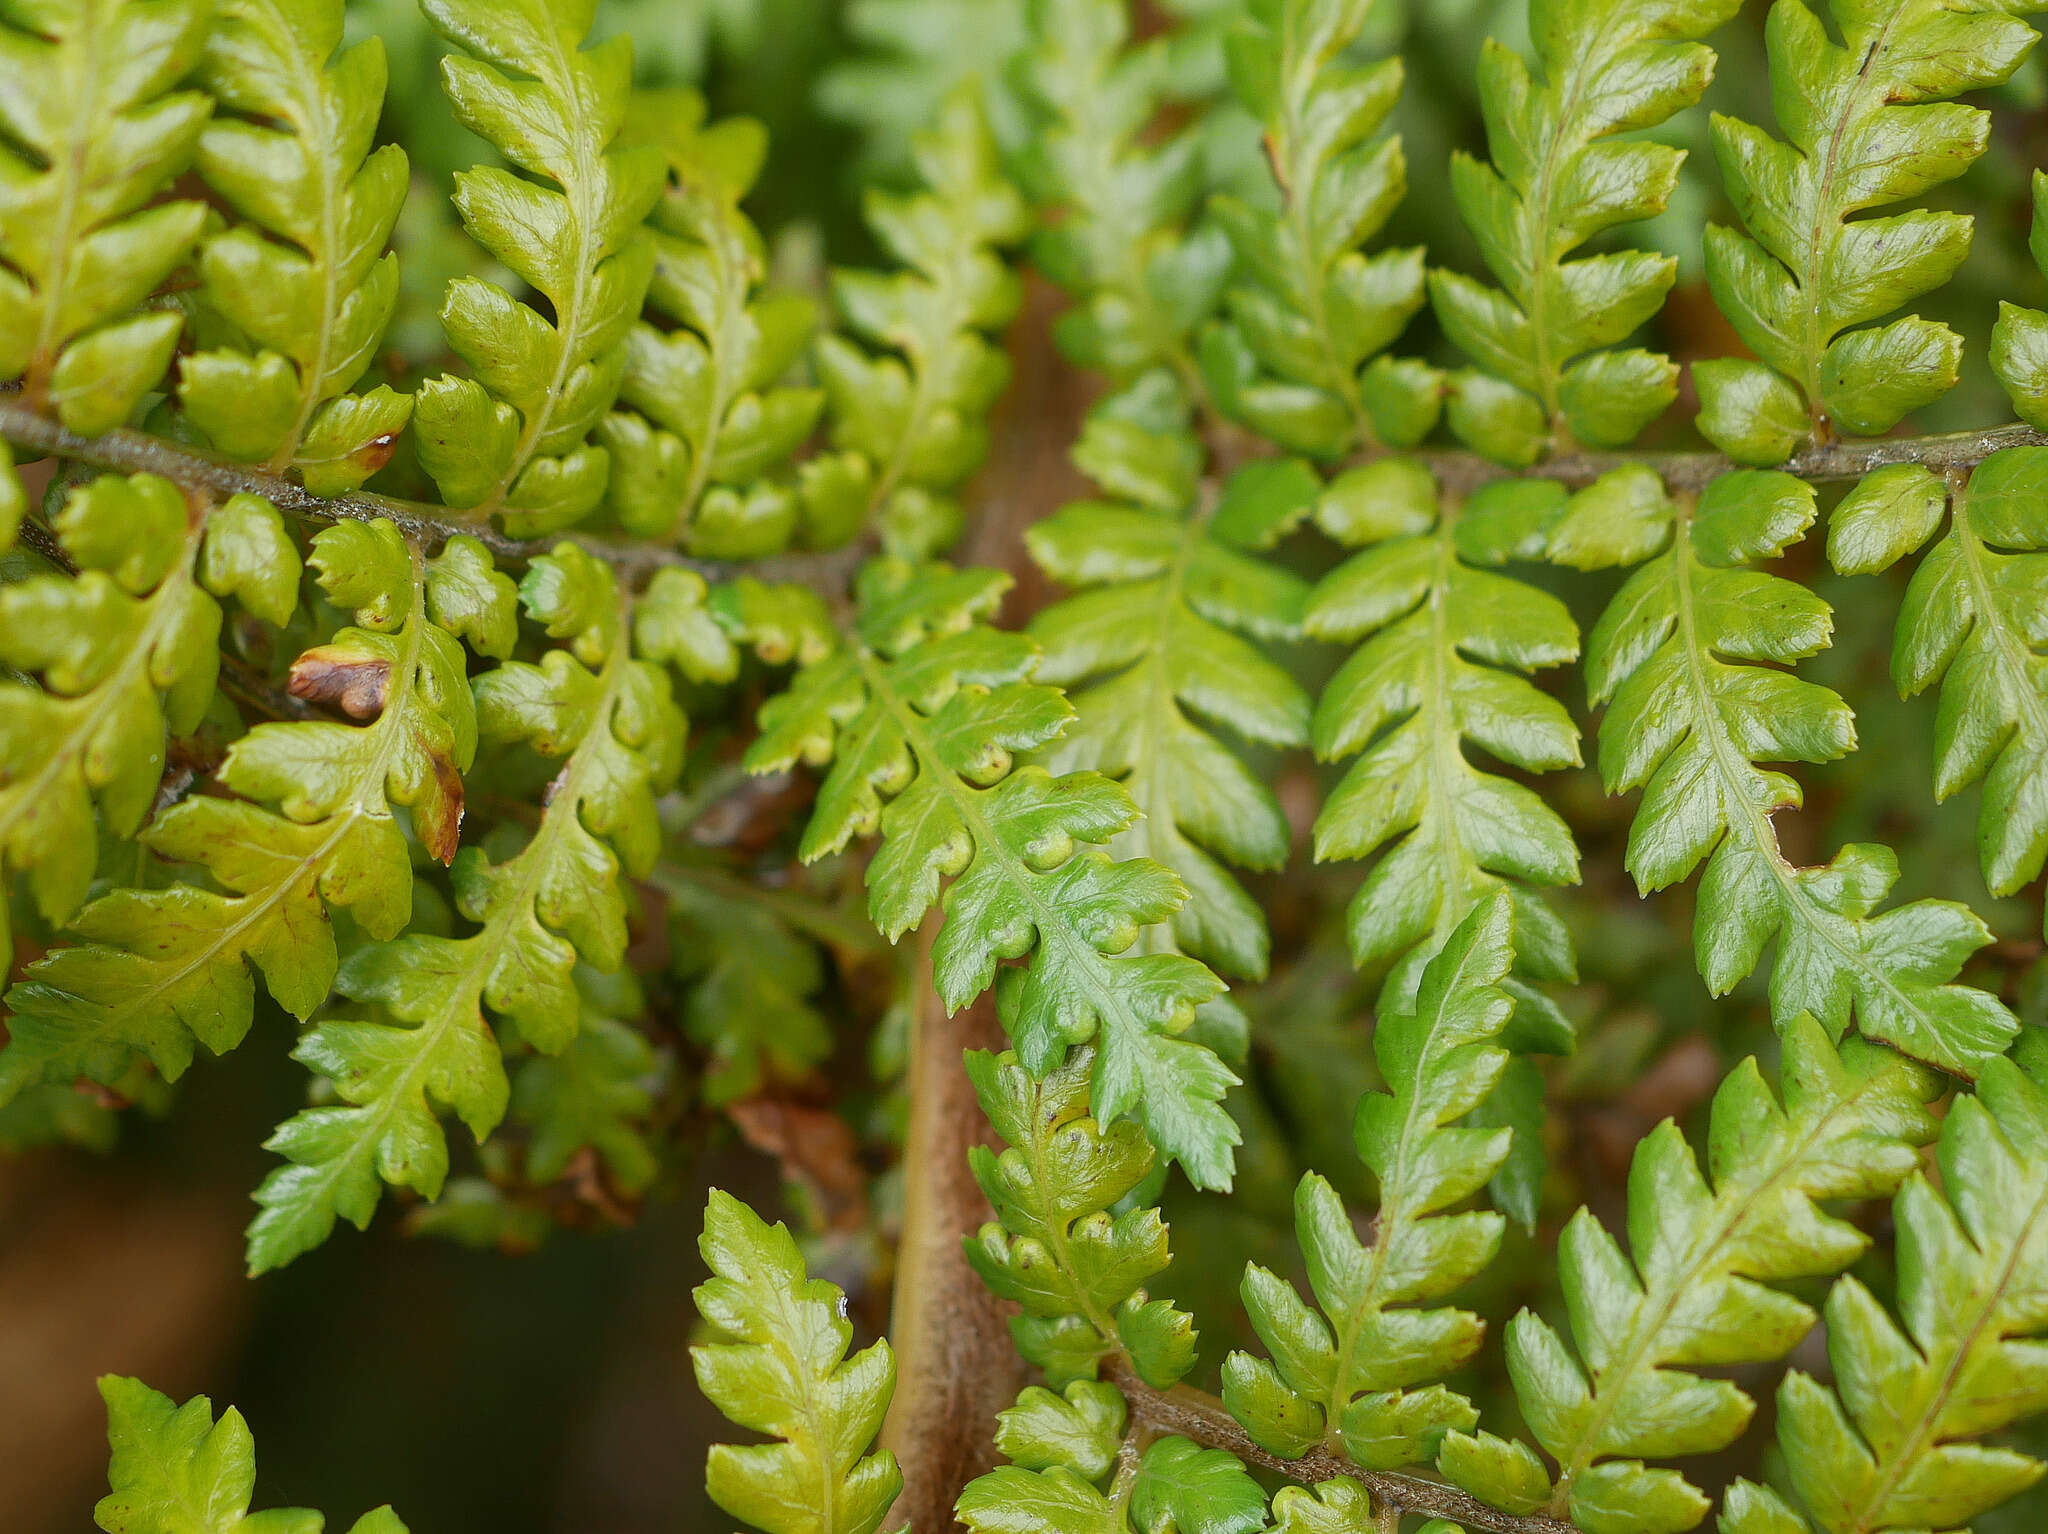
710,423
161,967
95,131
1548,373
1174,1484
910,420
175,1470
1868,122
610,720
779,1367
1114,207
1444,642
1348,1375
920,714
751,977
1054,1248
1889,1446
306,282
1707,1247
127,652
596,1094
1971,623
1678,658
1163,635
512,440
1301,359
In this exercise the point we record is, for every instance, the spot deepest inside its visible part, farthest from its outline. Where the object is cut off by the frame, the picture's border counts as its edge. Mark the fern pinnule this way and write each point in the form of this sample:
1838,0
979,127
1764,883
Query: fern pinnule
1707,1247
1161,639
1686,657
920,714
95,131
512,440
1301,358
306,282
609,718
1547,371
1891,1444
1362,1371
1868,121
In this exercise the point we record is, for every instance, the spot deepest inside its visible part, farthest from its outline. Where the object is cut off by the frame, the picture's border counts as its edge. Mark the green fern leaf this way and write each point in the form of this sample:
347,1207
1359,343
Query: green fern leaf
95,133
923,708
159,968
779,1367
619,738
127,652
913,56
1970,624
1163,635
1114,206
1348,1375
711,424
1707,1249
751,976
1548,373
512,440
1054,1249
598,1093
177,1471
1443,643
1299,358
1889,1446
1868,122
305,281
1690,712
910,421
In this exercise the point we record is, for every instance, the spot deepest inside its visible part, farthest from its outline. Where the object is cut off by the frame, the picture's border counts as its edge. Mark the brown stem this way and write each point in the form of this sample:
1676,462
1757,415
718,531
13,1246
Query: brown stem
132,452
955,1366
1197,1415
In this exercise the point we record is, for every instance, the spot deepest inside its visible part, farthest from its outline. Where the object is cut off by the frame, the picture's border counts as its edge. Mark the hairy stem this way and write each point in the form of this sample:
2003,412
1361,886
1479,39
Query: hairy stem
1197,1415
955,1367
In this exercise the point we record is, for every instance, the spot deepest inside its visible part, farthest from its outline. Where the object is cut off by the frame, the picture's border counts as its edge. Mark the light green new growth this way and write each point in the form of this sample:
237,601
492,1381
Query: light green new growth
910,421
1301,359
778,1365
127,652
1869,123
177,1471
161,967
1446,655
1890,1446
512,439
94,131
920,714
1548,374
1115,208
711,423
1162,635
305,285
1695,1287
610,720
1074,1268
1690,712
1360,1374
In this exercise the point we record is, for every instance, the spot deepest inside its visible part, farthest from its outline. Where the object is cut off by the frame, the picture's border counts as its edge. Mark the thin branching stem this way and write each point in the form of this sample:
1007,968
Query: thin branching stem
1199,1416
124,451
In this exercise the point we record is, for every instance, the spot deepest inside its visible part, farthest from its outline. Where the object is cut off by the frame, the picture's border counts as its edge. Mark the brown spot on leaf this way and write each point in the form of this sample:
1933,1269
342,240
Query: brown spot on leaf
350,679
375,453
437,817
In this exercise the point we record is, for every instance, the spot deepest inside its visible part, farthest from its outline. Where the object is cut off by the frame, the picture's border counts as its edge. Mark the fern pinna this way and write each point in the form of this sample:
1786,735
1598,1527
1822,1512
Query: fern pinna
1126,662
